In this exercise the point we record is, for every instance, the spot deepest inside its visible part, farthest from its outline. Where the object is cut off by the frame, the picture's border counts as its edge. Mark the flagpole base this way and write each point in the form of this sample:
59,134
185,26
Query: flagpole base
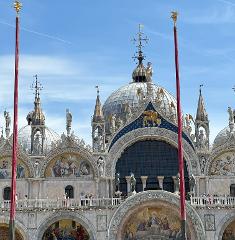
183,230
12,230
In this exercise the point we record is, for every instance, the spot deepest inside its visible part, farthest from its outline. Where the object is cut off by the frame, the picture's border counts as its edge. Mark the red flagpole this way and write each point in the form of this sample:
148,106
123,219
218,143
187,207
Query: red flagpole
180,148
17,6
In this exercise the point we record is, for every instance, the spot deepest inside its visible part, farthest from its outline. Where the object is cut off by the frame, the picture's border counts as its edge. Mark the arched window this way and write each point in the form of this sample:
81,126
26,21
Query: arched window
69,191
232,190
7,193
151,158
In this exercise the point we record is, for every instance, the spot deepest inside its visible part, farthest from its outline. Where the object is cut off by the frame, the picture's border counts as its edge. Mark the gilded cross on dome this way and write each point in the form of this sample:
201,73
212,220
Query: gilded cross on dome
17,6
140,39
37,86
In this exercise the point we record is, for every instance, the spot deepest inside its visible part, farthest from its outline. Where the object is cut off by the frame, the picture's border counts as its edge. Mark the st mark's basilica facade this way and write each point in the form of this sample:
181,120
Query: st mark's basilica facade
126,185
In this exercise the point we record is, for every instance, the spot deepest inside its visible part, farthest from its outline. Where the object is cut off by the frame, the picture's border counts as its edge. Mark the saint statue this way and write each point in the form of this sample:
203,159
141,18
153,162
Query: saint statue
149,71
192,183
231,115
37,145
202,139
100,164
7,119
128,111
113,123
117,182
69,119
132,183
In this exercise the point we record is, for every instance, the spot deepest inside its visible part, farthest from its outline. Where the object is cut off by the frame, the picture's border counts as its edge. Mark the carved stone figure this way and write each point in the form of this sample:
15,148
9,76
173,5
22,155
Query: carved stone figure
188,122
231,115
8,123
149,71
113,123
100,163
128,111
7,119
132,183
84,169
202,139
37,148
69,119
140,94
202,163
37,172
119,123
117,182
192,183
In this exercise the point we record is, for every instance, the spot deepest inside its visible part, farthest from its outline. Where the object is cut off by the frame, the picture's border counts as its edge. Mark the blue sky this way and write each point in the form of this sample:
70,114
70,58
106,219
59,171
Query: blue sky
77,44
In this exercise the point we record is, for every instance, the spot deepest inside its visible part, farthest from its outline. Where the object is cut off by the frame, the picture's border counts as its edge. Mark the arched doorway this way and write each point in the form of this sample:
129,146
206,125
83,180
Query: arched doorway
66,229
7,194
229,233
232,190
4,233
150,158
69,192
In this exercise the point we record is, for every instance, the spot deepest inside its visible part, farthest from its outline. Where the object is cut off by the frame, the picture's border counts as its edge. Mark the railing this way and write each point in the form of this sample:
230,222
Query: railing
213,201
62,203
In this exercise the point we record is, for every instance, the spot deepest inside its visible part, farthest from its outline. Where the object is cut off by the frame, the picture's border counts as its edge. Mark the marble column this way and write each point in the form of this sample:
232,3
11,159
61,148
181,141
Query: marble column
160,181
128,182
112,190
176,183
144,180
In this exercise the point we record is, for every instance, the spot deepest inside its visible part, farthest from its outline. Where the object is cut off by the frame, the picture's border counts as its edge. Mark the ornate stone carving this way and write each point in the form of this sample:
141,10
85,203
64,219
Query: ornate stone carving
223,165
209,222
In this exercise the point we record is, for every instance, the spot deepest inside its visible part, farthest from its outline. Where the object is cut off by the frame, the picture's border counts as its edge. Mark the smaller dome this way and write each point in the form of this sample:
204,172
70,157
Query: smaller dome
140,73
221,138
24,138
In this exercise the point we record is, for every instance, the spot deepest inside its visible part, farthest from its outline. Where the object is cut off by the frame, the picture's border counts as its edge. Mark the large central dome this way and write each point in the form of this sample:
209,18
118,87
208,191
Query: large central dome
133,94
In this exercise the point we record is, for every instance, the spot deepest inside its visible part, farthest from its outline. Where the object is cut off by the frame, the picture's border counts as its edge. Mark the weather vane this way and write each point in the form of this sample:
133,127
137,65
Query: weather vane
174,16
139,40
37,86
17,6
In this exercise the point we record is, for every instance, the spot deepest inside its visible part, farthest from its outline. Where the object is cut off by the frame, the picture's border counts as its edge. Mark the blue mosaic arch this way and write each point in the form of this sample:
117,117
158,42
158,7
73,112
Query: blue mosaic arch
139,123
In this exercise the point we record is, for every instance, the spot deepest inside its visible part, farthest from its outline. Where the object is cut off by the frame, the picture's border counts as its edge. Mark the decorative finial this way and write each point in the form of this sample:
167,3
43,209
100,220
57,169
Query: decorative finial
17,6
98,90
174,16
200,88
37,86
140,39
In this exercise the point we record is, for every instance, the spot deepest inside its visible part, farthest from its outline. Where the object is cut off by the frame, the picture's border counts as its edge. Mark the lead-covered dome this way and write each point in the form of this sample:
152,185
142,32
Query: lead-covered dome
136,92
225,136
24,138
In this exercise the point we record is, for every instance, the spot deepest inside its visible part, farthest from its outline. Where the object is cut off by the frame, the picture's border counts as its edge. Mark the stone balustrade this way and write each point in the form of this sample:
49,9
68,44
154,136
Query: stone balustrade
213,201
50,204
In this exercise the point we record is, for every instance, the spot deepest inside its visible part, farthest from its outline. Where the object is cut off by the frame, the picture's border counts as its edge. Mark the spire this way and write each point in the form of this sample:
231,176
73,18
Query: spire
98,113
139,74
201,110
36,117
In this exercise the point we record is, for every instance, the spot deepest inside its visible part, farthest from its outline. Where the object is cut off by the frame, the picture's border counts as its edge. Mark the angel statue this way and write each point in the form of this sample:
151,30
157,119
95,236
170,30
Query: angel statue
231,115
149,71
69,119
8,123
